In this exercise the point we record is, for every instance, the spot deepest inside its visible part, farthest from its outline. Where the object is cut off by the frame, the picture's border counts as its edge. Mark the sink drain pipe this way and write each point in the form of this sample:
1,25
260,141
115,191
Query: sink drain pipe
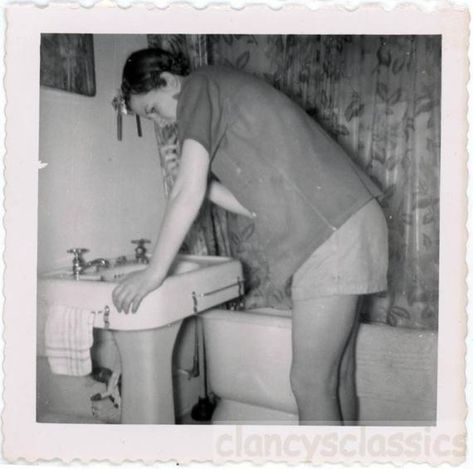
204,408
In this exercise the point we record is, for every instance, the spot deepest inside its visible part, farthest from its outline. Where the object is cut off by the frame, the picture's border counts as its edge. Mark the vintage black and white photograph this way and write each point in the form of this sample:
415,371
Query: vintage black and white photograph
238,229
235,235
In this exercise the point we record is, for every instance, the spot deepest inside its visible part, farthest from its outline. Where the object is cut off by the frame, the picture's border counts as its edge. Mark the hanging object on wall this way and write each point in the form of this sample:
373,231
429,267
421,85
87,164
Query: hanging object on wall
119,105
119,126
67,63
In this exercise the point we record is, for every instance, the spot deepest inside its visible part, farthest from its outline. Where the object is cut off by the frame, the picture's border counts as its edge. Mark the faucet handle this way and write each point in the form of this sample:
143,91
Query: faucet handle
140,251
140,241
78,261
77,251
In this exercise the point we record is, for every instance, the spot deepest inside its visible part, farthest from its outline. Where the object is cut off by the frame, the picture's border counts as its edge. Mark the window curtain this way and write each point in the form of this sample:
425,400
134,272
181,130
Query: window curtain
379,97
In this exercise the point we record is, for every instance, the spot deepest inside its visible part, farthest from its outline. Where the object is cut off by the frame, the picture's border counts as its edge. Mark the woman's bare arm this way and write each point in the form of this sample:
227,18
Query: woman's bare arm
222,197
182,208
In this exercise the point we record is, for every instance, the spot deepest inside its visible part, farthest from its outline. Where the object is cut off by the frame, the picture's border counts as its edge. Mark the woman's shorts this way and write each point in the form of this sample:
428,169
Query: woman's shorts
353,261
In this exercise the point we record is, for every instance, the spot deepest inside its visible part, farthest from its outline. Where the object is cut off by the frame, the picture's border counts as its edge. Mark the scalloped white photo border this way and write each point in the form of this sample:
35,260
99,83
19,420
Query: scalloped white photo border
26,440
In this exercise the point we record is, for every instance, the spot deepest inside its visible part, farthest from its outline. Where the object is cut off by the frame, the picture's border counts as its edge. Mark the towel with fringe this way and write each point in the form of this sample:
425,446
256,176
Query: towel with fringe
68,339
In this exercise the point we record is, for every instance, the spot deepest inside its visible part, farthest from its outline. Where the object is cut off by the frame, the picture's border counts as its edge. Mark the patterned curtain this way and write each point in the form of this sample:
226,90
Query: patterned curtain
379,96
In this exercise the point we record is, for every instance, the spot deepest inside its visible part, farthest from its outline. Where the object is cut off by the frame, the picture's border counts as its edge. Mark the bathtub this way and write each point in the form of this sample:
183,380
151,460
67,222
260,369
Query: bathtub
249,356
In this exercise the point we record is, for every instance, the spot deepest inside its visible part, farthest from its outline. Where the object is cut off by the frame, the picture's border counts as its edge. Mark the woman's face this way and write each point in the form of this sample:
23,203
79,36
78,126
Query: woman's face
158,105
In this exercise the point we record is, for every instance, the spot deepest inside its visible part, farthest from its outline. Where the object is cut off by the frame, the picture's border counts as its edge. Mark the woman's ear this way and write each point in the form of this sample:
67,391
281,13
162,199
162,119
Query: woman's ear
172,81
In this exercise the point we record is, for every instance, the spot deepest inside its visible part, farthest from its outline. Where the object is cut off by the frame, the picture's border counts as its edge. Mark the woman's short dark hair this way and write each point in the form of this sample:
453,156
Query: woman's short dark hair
142,70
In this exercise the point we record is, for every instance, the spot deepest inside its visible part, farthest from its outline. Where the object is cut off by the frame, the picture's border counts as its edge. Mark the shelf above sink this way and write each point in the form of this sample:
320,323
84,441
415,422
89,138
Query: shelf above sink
194,284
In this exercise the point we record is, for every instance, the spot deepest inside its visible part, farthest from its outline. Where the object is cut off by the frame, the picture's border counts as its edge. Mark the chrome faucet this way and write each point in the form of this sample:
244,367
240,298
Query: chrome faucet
99,262
79,266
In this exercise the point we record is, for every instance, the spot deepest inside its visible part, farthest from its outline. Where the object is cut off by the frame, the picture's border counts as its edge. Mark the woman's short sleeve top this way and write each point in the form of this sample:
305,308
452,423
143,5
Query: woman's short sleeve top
276,160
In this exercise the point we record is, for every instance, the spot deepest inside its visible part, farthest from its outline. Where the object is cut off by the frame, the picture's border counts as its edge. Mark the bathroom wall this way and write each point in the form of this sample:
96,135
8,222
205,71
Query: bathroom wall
95,191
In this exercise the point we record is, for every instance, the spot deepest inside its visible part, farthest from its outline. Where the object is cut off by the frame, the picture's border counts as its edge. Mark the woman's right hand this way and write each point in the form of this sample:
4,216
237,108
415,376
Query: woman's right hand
182,208
131,290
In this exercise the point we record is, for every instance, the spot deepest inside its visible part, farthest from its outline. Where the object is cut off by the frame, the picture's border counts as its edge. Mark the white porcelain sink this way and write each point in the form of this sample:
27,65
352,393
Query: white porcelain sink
194,284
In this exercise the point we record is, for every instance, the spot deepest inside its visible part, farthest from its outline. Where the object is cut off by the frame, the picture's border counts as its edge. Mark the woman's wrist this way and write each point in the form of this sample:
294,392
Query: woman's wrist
156,272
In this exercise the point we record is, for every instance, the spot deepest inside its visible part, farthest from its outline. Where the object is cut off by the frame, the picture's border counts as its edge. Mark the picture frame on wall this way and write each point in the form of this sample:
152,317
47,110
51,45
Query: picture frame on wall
67,63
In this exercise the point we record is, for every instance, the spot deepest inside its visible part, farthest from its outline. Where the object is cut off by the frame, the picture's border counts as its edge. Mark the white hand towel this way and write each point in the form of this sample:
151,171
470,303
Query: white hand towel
68,339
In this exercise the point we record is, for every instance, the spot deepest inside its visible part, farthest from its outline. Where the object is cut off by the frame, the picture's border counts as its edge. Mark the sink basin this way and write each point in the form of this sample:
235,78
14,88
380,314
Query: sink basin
180,266
194,284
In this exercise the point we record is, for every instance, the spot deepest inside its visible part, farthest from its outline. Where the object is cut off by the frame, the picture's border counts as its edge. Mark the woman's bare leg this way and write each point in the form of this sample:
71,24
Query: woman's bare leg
347,384
321,328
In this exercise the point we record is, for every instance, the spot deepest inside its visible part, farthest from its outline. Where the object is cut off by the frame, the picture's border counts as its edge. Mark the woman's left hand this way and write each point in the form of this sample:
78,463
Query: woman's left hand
133,288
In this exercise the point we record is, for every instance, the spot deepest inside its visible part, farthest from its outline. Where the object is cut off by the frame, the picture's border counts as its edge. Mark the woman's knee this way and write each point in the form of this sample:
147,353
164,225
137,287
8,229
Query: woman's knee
316,379
321,328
